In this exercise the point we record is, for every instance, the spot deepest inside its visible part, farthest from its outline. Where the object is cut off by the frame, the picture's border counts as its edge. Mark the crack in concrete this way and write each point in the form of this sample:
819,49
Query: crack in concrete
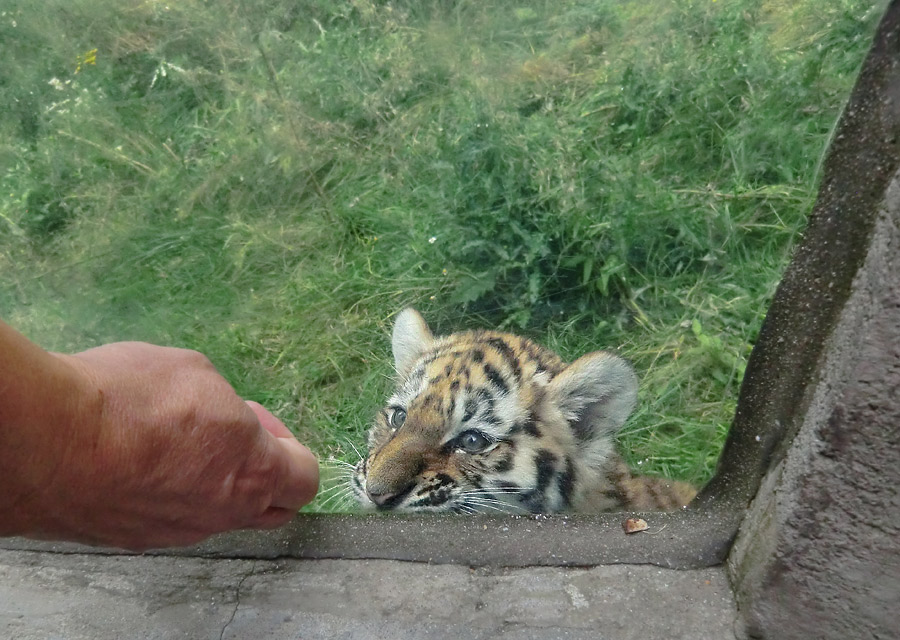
237,600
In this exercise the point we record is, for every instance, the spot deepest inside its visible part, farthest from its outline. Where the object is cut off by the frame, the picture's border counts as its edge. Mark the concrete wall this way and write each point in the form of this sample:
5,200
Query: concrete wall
818,555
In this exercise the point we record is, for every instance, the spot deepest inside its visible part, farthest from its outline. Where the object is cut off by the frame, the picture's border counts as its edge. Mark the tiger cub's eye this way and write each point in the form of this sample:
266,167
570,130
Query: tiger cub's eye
473,442
398,417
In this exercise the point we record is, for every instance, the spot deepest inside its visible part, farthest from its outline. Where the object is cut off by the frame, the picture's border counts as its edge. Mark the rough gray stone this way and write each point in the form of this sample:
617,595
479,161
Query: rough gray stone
80,597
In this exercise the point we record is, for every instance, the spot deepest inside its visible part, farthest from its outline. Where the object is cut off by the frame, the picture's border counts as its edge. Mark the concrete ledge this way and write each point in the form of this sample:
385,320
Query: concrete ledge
103,598
682,540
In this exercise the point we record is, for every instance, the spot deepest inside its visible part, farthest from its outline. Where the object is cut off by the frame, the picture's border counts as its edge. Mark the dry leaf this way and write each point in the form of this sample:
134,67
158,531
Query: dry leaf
633,525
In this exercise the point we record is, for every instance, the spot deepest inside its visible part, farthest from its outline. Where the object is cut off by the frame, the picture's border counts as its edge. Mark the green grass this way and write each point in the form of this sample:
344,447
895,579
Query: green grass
270,181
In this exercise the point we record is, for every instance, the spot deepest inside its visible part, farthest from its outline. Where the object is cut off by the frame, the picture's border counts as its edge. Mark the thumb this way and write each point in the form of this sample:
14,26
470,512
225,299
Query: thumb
298,470
298,473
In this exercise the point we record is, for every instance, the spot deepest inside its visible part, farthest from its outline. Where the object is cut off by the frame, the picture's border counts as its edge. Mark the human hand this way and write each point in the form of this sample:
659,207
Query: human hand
163,452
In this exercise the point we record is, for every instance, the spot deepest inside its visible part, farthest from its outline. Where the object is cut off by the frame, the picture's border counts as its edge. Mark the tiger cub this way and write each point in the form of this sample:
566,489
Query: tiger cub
491,422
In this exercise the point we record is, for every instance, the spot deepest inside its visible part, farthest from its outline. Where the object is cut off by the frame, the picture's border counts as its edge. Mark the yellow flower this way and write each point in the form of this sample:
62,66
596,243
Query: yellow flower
89,57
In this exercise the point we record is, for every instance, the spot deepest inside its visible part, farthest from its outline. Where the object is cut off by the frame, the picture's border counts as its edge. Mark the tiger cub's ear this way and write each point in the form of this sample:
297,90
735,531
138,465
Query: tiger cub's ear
410,339
596,394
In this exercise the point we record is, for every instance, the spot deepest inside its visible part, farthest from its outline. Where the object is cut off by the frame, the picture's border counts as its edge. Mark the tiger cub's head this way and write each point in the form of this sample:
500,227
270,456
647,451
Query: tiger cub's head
490,422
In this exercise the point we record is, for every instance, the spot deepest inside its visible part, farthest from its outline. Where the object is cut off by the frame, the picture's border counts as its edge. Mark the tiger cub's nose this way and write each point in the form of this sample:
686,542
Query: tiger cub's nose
386,497
380,499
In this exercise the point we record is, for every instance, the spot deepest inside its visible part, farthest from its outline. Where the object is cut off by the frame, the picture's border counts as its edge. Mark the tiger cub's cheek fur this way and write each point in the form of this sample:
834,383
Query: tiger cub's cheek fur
483,421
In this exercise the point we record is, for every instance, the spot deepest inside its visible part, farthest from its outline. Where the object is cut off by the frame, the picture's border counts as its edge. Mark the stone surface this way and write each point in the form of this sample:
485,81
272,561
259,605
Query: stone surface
80,597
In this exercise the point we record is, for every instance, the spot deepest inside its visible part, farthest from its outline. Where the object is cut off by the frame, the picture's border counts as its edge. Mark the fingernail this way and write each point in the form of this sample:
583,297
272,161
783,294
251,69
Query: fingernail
307,464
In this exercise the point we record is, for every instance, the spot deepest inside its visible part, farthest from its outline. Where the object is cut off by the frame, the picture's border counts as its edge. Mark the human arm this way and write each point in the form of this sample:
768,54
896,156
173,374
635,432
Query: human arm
137,446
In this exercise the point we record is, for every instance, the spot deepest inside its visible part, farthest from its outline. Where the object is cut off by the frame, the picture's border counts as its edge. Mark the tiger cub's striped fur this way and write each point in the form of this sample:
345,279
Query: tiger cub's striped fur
483,421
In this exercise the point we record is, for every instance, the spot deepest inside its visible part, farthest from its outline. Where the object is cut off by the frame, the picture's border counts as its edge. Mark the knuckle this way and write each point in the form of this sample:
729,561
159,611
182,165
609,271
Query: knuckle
197,359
